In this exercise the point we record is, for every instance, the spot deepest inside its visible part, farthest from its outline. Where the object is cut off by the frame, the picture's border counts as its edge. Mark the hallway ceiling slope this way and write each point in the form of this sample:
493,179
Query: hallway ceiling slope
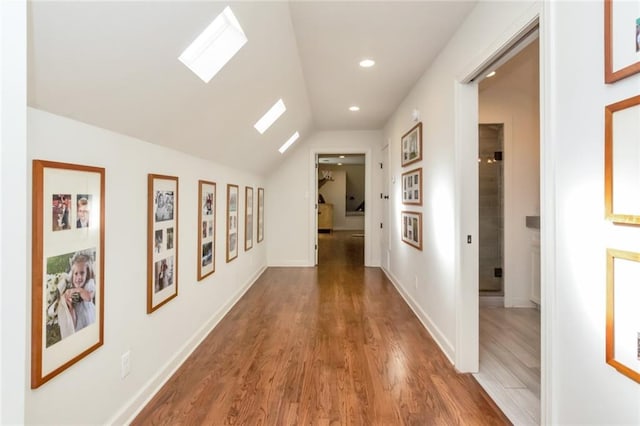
114,65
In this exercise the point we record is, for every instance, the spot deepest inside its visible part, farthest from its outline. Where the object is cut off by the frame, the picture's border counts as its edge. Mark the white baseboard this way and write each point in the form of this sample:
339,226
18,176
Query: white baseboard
128,412
495,301
290,263
432,329
518,302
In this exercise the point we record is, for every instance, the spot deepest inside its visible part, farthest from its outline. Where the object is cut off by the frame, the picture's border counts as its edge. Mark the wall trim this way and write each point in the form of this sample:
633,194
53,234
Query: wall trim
368,197
518,302
291,264
443,343
130,410
495,301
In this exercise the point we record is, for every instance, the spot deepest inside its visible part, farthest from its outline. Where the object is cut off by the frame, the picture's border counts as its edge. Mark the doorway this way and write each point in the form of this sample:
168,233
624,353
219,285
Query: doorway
341,207
509,193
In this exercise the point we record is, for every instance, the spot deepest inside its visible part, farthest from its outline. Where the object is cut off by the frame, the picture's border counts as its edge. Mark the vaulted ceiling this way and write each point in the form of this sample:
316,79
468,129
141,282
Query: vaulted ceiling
114,65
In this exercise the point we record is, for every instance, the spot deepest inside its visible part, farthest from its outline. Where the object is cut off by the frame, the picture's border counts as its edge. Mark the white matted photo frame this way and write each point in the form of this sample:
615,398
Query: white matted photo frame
232,221
206,228
621,39
67,309
622,161
248,218
411,145
411,228
260,214
162,242
623,315
412,187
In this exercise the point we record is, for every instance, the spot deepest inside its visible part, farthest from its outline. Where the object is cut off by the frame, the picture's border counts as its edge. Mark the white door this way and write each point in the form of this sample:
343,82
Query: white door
384,217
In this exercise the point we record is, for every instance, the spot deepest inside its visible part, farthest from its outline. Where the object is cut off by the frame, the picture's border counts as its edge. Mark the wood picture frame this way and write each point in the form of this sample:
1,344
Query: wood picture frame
232,221
67,299
260,215
621,39
162,240
411,146
411,228
412,187
248,218
623,316
206,228
622,167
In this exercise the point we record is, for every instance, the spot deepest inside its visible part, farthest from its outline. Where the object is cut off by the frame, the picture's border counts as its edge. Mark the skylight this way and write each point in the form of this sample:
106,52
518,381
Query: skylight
270,117
215,46
289,142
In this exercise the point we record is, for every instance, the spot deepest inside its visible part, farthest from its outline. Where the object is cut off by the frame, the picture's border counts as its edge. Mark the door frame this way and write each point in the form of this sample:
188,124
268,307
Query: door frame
313,191
466,204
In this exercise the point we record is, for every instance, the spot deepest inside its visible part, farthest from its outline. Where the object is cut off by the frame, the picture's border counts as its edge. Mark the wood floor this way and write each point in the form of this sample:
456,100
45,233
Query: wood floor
330,345
510,361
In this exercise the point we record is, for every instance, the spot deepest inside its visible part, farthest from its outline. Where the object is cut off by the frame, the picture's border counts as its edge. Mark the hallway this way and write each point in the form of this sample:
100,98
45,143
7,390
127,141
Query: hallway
334,344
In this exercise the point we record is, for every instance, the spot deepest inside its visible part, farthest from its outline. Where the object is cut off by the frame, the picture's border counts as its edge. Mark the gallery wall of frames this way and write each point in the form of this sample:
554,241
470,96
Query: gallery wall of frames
128,258
411,221
621,171
68,275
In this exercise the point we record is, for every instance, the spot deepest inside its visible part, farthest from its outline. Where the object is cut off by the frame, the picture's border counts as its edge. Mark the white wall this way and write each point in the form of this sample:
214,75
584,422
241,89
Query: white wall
585,390
512,98
13,220
290,204
159,341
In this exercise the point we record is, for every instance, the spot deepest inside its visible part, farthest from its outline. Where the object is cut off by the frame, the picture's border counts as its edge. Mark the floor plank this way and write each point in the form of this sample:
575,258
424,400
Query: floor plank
335,344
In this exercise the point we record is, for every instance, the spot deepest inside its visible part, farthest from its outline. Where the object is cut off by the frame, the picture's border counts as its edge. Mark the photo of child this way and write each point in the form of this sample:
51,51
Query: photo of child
71,289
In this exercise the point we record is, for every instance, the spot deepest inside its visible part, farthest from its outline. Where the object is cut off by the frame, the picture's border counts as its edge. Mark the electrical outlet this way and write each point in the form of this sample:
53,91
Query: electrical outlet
125,364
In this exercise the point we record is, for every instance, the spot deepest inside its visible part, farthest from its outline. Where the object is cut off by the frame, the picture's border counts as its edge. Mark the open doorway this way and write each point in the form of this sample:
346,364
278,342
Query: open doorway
509,196
341,208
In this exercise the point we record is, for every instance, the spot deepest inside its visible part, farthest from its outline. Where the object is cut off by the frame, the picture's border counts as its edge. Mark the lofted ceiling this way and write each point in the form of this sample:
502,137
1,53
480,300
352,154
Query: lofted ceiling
114,65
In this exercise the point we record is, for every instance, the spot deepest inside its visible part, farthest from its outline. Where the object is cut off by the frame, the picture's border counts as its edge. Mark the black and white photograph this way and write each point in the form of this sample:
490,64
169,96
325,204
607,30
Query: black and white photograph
164,205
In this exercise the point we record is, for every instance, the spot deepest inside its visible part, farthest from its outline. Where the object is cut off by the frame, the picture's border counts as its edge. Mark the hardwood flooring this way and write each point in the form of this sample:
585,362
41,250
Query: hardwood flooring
510,361
330,345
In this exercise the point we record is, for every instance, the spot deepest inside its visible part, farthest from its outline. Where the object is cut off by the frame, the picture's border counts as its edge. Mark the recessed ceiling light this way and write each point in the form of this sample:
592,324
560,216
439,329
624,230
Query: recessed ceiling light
367,63
289,142
339,164
354,108
215,46
342,156
270,117
491,74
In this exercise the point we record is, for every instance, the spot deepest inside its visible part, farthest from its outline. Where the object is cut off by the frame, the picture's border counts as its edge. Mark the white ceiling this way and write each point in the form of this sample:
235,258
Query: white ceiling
114,65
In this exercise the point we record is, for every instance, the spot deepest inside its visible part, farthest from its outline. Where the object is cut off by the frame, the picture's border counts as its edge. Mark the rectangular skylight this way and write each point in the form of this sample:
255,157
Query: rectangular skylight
215,46
270,117
288,143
